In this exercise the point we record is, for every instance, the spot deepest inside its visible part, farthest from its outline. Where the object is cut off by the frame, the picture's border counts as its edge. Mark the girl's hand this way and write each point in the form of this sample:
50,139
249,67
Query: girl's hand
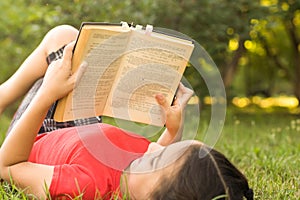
174,113
59,80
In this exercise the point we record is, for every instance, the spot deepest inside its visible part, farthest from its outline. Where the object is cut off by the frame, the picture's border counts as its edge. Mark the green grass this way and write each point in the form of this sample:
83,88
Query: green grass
265,146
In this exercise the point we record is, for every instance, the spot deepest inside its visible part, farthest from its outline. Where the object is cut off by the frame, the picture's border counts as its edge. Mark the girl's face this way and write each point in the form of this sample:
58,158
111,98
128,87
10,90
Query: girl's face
144,173
158,157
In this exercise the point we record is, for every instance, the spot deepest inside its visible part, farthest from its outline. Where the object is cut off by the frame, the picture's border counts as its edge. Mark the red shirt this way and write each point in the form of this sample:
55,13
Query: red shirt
88,160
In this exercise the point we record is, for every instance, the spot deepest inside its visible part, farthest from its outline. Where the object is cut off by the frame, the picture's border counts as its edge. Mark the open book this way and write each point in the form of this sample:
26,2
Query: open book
127,66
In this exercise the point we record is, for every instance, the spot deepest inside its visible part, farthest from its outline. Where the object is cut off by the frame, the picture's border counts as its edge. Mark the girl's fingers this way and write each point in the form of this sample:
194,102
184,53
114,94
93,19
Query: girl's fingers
67,55
161,100
79,73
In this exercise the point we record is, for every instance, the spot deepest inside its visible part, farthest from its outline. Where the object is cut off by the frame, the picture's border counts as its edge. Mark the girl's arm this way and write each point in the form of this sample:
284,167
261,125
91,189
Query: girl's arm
16,148
174,115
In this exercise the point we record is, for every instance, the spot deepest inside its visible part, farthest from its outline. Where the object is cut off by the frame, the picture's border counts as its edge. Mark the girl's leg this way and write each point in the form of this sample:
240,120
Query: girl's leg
30,73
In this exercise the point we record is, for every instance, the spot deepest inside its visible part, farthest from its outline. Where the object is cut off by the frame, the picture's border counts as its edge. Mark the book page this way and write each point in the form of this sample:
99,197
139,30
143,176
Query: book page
103,50
150,66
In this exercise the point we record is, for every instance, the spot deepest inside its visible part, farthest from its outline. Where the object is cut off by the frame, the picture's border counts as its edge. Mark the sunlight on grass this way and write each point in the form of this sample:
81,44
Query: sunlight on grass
280,101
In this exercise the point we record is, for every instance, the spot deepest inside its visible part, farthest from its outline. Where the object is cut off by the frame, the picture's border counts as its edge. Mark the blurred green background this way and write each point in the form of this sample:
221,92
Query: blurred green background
255,44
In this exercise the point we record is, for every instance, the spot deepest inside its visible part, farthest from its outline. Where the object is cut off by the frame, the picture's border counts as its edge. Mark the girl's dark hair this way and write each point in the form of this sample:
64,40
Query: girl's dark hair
206,174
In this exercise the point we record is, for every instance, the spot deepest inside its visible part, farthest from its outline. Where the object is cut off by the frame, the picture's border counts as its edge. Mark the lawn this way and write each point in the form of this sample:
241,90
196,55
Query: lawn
264,144
266,147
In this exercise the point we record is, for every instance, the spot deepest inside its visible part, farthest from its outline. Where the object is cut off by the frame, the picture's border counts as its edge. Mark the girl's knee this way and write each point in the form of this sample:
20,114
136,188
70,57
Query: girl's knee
59,36
62,30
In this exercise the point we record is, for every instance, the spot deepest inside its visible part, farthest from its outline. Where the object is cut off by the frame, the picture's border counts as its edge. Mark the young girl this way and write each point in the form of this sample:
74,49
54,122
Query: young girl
99,161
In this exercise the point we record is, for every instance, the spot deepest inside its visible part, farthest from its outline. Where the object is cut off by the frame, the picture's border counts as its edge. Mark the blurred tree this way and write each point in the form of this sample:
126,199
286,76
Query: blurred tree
220,26
282,44
22,27
240,35
272,62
